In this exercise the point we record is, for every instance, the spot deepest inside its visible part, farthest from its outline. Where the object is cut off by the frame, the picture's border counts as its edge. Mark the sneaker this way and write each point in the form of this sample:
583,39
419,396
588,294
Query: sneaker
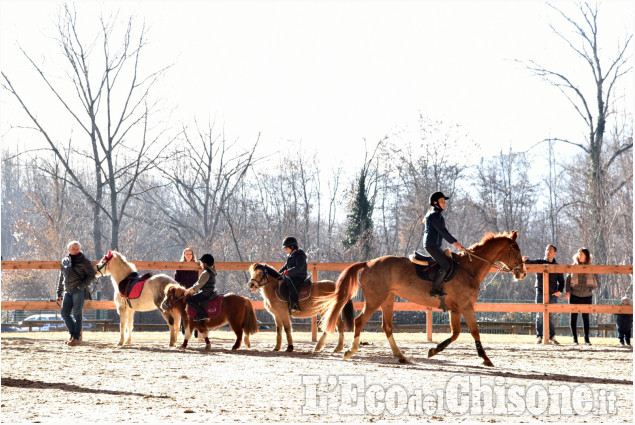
554,342
587,343
538,340
622,343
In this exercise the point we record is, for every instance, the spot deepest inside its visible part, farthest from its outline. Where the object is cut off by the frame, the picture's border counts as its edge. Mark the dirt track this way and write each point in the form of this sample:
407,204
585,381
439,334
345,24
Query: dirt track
45,381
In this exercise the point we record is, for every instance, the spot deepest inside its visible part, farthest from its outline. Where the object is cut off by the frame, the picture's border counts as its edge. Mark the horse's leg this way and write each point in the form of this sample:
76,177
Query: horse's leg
387,311
286,322
455,326
130,324
278,322
246,340
236,323
360,321
189,329
123,322
320,343
174,326
340,342
470,320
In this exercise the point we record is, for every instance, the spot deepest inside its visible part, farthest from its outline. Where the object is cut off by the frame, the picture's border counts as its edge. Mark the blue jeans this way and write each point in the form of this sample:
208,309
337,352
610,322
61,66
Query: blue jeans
552,330
72,306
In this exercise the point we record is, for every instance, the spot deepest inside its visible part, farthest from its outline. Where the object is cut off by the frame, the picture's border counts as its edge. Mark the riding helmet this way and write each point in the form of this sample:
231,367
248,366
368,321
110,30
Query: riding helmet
289,241
207,259
436,196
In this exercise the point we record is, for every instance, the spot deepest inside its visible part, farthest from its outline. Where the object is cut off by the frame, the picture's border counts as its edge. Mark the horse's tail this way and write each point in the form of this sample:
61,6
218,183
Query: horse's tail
250,323
345,289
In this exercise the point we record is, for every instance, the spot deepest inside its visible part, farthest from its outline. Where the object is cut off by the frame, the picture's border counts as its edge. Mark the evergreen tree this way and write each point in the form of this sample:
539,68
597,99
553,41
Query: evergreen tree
360,223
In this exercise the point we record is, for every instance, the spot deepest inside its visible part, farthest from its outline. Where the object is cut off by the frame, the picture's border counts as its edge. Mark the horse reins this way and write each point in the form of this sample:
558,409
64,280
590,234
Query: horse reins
259,282
502,268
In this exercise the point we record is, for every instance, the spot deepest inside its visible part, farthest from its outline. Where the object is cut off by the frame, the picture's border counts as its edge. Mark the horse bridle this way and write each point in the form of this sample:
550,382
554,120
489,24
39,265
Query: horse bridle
258,283
504,267
167,304
103,265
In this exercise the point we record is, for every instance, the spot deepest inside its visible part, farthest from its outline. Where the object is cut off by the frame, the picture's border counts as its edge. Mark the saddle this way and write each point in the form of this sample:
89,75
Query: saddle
132,285
213,308
426,268
304,291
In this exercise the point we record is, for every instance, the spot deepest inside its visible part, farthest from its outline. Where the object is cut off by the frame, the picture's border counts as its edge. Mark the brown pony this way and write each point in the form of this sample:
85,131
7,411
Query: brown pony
385,277
236,310
266,278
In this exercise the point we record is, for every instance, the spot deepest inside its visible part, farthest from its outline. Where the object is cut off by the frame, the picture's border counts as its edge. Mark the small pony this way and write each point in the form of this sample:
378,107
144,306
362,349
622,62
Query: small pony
267,279
236,310
150,297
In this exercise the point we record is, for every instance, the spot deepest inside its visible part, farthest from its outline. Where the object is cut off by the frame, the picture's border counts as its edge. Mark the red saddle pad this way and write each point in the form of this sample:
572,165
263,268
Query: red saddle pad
213,308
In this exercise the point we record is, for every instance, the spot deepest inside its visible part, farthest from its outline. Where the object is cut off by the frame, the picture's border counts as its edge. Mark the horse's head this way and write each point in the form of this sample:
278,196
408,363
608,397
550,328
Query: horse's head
515,261
501,248
260,274
103,267
173,294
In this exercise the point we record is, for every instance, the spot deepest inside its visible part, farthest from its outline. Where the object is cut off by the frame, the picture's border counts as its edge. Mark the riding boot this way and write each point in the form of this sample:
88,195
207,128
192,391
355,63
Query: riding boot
201,314
437,285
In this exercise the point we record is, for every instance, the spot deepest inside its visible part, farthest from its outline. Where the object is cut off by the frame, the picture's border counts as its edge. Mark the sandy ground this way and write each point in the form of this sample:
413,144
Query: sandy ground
43,380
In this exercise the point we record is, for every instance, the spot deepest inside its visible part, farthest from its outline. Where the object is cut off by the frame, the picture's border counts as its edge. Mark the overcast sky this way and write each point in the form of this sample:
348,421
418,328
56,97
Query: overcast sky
330,74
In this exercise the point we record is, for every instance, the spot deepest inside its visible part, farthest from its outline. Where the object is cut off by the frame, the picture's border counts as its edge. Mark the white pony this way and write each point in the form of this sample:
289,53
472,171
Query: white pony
151,296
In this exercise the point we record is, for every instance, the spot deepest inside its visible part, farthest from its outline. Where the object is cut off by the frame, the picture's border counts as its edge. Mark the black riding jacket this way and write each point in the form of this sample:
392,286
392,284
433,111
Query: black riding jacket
77,272
297,267
435,230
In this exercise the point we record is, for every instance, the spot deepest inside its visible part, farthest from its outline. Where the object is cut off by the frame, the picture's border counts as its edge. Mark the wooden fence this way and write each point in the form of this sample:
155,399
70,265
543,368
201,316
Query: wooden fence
315,268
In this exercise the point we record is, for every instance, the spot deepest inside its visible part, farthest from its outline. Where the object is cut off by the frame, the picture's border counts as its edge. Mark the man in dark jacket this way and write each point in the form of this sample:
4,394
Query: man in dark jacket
434,234
296,269
76,275
556,286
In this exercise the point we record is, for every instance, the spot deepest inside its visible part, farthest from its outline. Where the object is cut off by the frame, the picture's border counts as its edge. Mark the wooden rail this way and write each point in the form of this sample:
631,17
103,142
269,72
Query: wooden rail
317,267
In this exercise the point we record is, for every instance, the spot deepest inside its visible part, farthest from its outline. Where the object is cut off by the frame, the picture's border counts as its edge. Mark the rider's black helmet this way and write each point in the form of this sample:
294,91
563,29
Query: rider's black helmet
436,196
289,241
207,259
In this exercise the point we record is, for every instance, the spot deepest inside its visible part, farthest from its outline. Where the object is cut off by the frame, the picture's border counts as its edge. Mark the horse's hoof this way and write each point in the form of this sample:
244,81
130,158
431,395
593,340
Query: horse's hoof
348,354
208,348
432,352
276,349
404,360
338,349
289,348
488,362
181,347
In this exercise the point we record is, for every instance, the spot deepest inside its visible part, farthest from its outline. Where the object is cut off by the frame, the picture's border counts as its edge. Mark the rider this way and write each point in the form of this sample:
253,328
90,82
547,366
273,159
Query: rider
435,232
205,287
296,269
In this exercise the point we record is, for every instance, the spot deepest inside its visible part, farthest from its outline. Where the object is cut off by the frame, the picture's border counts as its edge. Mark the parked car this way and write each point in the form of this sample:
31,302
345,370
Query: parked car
56,322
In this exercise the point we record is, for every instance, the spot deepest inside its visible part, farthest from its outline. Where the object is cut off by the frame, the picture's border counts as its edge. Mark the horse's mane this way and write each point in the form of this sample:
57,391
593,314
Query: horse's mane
265,267
122,257
490,236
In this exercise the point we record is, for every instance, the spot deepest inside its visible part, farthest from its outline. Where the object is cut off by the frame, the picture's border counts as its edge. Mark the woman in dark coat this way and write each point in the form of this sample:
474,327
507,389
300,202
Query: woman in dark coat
187,278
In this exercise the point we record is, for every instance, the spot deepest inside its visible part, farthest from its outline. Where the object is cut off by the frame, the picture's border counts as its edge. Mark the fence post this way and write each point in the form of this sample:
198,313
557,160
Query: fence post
314,318
545,315
429,323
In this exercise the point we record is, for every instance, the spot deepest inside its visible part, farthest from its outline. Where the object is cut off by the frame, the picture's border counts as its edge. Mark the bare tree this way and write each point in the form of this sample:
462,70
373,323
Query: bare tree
594,109
111,104
205,174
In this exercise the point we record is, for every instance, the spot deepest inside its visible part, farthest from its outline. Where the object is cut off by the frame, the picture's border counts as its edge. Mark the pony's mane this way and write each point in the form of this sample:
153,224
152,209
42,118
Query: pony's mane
265,267
490,236
123,259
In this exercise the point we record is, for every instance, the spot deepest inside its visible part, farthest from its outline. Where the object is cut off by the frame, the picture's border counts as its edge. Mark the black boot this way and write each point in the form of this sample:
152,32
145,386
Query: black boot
437,285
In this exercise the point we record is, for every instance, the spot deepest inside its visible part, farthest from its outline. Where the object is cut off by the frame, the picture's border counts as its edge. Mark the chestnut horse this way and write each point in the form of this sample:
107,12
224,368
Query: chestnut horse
266,278
385,277
236,310
115,265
